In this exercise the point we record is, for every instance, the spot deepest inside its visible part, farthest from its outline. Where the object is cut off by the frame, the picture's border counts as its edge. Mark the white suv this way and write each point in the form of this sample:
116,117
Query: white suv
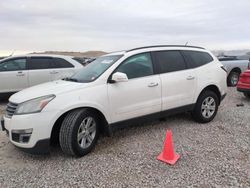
116,88
19,72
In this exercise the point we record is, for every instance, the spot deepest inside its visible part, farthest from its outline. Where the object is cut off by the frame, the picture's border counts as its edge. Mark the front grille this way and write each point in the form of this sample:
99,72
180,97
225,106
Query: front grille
11,108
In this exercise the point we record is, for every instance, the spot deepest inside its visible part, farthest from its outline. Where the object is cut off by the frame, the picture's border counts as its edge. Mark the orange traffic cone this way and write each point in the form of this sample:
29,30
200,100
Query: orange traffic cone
168,154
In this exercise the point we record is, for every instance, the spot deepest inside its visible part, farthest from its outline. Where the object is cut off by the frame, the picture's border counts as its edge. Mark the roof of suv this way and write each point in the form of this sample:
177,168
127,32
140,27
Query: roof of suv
158,46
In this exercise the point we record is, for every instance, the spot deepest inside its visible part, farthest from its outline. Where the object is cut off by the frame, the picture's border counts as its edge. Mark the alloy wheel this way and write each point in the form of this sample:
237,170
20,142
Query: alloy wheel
86,132
208,107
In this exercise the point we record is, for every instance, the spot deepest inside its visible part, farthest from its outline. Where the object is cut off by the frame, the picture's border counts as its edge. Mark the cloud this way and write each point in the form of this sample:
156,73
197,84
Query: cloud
113,25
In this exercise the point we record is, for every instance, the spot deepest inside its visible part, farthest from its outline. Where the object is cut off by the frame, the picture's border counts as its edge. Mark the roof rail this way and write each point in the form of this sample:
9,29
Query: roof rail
164,46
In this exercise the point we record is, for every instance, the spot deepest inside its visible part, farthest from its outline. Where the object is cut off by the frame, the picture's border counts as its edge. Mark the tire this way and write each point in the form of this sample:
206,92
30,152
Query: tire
233,78
74,127
203,113
247,95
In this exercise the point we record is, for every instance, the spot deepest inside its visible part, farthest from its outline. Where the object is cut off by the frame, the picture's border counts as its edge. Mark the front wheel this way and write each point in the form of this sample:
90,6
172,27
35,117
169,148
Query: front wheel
206,107
79,132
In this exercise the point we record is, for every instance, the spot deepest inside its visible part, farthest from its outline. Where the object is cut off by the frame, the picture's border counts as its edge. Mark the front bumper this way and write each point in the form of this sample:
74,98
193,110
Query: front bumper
40,148
244,90
41,125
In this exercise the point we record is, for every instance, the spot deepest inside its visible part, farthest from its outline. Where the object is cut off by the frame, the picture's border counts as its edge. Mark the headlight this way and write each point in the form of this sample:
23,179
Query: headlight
34,105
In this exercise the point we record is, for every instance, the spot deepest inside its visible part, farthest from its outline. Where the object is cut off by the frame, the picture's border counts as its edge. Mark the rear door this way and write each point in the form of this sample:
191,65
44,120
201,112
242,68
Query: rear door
40,70
61,68
178,81
13,75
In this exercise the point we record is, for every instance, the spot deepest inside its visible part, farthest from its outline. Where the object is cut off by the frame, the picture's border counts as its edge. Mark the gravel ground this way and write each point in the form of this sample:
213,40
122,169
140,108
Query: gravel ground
212,155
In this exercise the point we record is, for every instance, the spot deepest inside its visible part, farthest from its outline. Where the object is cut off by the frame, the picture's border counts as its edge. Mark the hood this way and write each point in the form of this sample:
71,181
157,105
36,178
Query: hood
55,87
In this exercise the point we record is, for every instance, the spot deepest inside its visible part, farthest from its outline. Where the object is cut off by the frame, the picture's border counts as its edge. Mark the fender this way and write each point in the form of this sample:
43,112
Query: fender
201,88
79,105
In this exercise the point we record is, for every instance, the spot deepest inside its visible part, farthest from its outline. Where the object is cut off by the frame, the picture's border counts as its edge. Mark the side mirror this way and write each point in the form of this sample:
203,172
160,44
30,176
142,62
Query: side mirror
119,77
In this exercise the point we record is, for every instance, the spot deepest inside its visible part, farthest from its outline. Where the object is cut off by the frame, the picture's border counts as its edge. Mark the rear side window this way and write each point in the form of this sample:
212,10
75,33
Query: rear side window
196,59
40,63
170,61
60,63
13,65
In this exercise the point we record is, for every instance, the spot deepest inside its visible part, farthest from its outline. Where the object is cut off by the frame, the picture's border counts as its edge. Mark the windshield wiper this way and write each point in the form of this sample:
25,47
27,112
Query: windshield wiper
70,79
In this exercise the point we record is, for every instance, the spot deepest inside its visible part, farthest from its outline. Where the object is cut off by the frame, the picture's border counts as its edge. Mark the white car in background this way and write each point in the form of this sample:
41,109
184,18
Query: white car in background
19,72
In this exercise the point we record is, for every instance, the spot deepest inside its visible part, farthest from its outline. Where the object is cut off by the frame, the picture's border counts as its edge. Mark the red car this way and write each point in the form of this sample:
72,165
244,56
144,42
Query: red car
244,83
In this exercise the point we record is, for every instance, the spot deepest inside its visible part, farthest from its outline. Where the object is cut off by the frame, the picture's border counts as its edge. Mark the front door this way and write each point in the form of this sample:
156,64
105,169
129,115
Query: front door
140,95
13,75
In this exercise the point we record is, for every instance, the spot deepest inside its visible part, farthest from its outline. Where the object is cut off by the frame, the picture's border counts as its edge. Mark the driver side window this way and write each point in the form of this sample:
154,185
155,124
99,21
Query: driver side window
136,66
13,65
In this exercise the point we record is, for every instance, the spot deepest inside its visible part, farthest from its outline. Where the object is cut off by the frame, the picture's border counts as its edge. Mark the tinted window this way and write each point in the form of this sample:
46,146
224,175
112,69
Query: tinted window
227,58
13,65
196,59
61,63
40,63
137,66
170,61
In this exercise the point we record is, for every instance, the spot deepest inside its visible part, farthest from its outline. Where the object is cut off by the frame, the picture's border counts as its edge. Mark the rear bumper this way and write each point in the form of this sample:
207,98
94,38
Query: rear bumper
243,86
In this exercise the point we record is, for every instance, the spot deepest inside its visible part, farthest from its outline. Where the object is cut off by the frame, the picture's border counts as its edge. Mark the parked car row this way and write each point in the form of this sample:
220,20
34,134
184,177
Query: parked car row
19,72
117,88
84,60
234,68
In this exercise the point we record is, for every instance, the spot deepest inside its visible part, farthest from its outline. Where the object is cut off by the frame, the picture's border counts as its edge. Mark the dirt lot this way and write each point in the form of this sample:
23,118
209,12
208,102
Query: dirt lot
215,154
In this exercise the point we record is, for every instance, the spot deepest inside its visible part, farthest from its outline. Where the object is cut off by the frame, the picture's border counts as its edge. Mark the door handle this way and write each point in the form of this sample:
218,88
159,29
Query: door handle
54,72
20,73
152,84
190,77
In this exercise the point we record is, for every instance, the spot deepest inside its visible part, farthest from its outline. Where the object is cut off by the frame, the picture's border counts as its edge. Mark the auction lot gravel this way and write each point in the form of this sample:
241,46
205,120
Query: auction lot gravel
212,155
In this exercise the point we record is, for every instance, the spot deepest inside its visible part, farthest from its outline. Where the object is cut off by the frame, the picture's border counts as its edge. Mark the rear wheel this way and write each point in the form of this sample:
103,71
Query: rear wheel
233,78
79,132
206,107
247,95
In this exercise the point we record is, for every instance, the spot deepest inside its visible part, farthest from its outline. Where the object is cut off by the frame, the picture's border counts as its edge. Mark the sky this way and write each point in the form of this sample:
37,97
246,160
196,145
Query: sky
111,25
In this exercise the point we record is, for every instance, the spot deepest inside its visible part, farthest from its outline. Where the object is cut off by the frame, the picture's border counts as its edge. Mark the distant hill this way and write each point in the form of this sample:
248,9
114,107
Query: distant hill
75,54
232,52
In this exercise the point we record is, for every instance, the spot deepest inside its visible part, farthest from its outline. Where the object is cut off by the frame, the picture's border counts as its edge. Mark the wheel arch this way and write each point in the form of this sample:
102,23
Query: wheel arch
235,69
213,88
54,136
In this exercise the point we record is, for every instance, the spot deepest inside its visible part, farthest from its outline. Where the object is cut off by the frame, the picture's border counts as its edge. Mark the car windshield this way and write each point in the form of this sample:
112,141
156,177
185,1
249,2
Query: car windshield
95,69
